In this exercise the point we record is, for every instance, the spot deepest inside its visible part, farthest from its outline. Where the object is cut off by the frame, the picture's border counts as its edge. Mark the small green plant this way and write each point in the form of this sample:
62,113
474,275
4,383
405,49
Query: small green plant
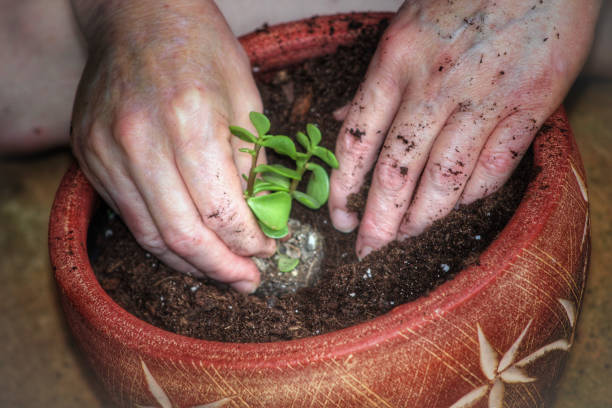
272,210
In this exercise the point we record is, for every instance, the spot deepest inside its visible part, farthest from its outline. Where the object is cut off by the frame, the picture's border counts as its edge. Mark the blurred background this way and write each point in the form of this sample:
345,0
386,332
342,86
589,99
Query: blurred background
40,365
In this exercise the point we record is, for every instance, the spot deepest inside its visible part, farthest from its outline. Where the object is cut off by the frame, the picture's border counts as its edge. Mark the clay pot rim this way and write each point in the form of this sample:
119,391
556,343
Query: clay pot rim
76,200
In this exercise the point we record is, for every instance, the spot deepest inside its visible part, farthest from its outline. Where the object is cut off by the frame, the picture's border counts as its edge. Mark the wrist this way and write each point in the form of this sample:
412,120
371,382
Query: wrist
101,19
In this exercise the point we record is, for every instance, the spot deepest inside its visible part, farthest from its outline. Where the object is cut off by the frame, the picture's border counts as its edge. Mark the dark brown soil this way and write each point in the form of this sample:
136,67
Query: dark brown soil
349,291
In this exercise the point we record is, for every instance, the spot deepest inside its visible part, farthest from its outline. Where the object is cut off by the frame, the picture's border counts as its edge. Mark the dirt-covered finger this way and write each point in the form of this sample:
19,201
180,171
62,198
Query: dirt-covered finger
397,171
451,161
502,153
364,128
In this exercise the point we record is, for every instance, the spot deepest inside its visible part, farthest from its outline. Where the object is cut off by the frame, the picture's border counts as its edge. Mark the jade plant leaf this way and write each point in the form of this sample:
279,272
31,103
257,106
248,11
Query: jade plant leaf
261,185
261,122
282,145
243,134
314,134
287,264
278,169
274,234
276,179
303,140
318,184
326,155
272,210
306,199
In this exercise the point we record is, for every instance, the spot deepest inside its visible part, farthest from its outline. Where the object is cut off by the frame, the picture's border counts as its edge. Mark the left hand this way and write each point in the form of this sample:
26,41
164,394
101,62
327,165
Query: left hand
454,94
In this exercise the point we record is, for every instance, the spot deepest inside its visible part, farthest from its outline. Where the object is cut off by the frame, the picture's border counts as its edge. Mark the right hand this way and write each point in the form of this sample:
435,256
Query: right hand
150,131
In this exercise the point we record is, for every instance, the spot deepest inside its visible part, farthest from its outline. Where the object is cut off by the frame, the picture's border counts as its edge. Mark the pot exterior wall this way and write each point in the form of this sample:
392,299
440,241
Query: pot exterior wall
499,333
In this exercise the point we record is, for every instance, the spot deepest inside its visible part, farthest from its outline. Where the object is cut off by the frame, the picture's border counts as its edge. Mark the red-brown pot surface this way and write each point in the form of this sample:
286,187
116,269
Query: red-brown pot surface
497,334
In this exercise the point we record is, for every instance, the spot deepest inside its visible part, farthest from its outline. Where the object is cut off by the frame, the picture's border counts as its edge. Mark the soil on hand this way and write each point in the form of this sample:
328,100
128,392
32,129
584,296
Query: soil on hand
349,291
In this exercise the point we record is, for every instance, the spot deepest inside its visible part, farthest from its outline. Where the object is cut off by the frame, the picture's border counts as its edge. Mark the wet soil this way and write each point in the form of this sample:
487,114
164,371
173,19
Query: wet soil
349,291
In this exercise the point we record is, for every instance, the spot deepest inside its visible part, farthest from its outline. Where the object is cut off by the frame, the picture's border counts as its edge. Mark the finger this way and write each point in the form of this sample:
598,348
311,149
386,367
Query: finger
451,161
172,209
78,149
502,153
364,128
396,173
114,185
205,163
95,181
130,206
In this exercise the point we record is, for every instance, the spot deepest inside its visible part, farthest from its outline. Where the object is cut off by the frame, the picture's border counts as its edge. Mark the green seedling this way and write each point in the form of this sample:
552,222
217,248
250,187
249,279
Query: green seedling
272,210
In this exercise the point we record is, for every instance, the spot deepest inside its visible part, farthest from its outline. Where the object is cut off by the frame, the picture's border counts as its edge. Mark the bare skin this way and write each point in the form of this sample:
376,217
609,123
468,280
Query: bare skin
453,97
150,130
43,55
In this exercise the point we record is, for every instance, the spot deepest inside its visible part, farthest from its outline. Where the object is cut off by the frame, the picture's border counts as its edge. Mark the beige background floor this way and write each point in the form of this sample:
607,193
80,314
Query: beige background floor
40,366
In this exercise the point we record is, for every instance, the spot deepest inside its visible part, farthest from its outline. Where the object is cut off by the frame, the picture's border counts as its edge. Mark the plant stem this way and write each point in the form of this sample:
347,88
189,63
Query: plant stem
301,169
252,174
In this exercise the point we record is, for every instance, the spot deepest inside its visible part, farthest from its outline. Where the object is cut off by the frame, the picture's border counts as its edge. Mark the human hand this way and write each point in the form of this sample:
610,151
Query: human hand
454,94
150,130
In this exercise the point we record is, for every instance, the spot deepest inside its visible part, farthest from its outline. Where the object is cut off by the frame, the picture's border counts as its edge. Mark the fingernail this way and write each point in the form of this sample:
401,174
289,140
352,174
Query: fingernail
343,221
365,251
340,113
245,286
402,237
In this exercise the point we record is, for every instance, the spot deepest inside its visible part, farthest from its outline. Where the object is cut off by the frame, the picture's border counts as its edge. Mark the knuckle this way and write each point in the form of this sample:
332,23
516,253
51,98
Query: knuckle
186,103
390,174
496,163
387,78
129,130
188,109
355,143
356,155
356,158
446,174
183,241
373,227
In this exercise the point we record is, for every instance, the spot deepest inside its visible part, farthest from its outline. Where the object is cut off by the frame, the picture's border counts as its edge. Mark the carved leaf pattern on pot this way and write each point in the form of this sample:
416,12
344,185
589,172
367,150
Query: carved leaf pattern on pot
162,398
581,183
508,370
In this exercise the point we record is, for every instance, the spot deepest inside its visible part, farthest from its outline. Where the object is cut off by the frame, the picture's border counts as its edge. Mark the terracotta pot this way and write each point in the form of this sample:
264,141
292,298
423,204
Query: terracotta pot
498,332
